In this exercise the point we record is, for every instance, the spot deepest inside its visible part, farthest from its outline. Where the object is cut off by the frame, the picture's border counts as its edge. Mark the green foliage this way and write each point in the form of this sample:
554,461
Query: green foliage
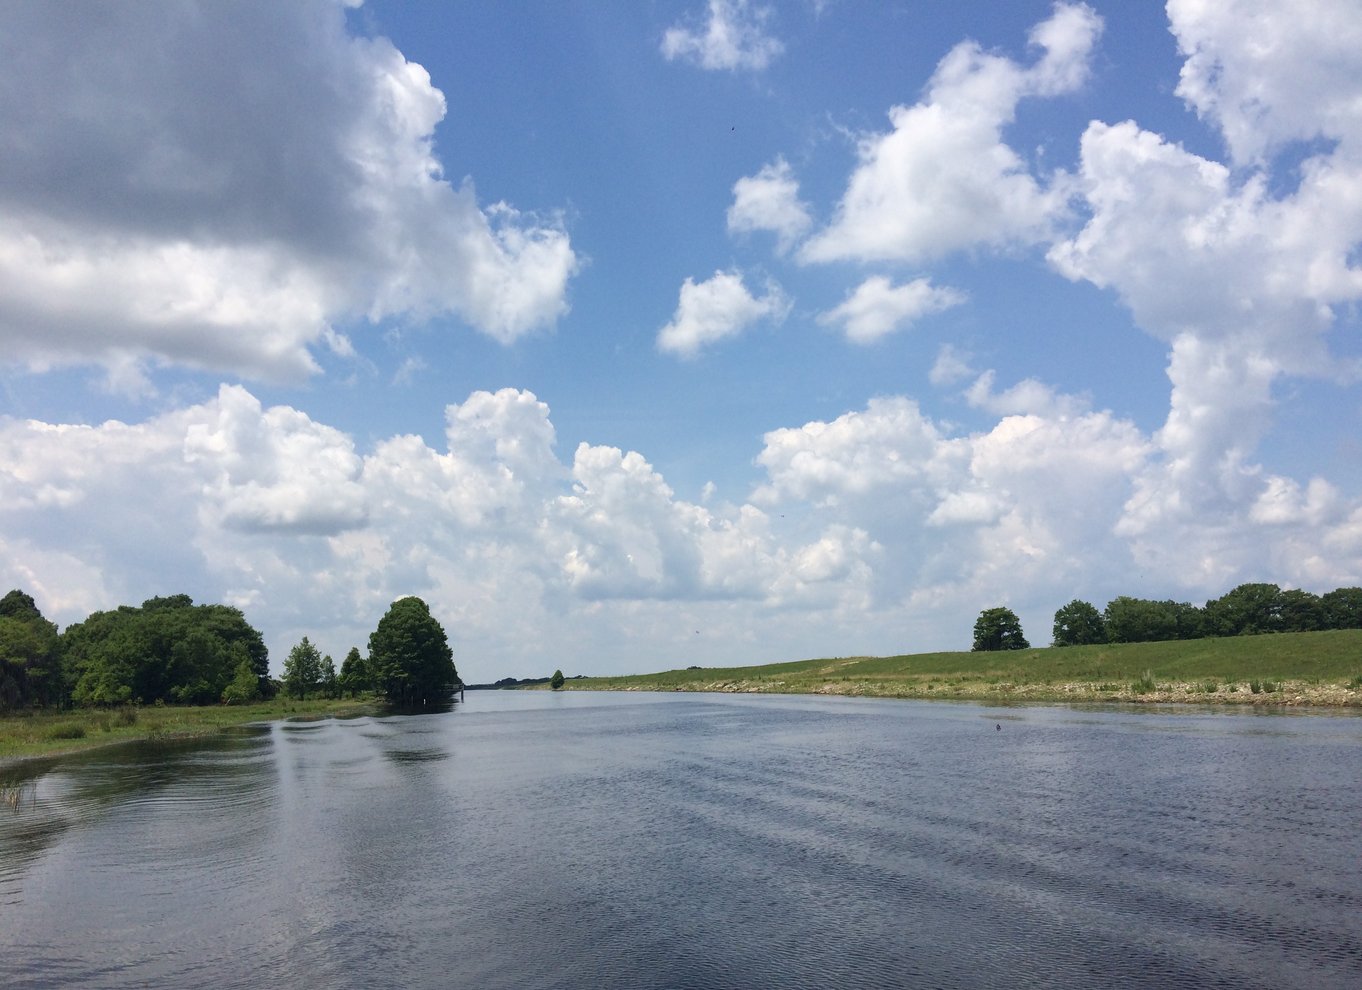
409,656
1343,608
66,730
998,629
1139,620
329,682
1079,624
354,673
169,649
30,655
244,686
302,669
556,681
1300,611
1249,609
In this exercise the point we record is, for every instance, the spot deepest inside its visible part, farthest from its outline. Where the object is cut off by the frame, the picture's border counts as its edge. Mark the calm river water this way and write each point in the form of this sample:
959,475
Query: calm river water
699,841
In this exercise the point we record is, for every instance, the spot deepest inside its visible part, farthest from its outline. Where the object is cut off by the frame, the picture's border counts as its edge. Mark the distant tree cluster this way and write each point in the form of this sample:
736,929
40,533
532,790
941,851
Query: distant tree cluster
166,650
171,650
1249,609
409,664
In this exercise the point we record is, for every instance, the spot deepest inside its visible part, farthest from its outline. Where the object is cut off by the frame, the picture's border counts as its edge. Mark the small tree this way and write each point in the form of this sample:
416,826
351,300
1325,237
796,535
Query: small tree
329,682
1079,624
556,681
354,673
302,669
998,629
244,686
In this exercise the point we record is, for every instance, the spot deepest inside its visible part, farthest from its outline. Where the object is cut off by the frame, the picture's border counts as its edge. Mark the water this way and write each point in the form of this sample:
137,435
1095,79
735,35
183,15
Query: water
597,840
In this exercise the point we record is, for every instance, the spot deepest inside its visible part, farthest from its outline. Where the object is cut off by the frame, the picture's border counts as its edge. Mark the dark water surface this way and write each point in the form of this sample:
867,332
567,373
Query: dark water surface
608,840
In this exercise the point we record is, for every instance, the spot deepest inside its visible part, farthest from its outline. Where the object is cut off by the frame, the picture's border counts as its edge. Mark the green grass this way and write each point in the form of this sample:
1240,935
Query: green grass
40,733
1295,668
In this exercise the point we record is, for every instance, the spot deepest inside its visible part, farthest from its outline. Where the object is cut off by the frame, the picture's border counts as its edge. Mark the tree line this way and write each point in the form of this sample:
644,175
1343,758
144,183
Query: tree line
171,651
1248,610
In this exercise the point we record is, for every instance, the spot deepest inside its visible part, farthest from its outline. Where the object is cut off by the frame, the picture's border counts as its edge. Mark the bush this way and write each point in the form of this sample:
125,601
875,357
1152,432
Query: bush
66,730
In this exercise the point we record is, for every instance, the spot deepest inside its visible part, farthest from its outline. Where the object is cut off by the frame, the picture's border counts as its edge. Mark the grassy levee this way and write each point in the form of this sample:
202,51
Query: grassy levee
1319,668
50,733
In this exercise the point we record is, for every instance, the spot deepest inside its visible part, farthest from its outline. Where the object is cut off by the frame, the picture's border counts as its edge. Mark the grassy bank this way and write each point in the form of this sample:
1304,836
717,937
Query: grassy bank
43,733
1321,668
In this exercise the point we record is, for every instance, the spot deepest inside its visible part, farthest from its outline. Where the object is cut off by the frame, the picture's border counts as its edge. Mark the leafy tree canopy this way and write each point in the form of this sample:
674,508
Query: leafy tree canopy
167,650
998,629
30,654
1247,610
1079,624
354,673
409,656
1343,608
556,681
303,669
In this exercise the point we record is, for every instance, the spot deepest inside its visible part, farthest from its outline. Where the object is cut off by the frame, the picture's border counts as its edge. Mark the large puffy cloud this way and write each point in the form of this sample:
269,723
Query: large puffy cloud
880,530
267,509
721,306
1243,276
733,37
943,179
1267,74
216,185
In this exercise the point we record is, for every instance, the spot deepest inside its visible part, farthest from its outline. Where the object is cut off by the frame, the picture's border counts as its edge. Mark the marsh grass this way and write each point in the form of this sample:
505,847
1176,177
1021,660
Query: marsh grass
1144,684
39,733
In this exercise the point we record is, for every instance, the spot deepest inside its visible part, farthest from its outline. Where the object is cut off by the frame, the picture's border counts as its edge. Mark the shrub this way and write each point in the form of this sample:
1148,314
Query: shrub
1145,684
66,730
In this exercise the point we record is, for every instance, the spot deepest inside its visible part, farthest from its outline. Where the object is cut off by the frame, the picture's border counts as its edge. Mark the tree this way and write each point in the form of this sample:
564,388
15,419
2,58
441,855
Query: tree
244,686
1343,608
1139,620
354,673
409,656
329,682
169,649
556,681
998,629
1300,611
30,655
302,669
1079,624
1247,610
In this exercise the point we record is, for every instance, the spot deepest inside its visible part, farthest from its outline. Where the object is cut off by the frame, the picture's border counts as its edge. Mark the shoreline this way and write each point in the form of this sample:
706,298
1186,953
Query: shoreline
1284,694
42,735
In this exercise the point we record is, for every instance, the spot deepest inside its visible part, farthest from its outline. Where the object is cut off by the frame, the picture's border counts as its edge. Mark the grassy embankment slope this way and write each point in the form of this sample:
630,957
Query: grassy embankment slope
1320,668
27,734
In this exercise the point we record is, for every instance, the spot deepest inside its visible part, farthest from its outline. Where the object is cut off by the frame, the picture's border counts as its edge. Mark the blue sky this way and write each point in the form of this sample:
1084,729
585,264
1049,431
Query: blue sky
641,335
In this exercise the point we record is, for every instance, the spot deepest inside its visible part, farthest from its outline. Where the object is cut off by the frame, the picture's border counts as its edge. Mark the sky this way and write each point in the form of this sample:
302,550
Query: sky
632,336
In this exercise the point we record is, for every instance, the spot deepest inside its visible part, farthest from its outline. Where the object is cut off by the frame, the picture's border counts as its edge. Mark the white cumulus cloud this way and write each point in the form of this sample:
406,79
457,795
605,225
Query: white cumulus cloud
733,37
719,307
770,201
877,307
248,174
943,179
